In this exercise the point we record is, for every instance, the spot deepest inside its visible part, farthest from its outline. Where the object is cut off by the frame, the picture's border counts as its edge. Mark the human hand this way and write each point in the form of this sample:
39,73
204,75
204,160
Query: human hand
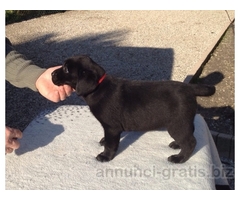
11,136
49,90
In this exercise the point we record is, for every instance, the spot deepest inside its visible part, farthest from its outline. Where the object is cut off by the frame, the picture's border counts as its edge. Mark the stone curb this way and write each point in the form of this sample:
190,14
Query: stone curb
224,142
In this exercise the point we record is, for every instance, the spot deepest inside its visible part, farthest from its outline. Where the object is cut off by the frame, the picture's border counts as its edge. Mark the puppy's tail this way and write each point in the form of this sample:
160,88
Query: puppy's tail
203,90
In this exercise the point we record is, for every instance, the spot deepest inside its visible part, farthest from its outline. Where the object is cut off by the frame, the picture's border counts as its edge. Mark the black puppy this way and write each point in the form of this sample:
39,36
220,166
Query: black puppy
125,105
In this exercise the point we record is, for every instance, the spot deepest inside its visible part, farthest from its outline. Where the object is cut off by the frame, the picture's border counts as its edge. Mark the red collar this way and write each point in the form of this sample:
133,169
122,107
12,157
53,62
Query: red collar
101,79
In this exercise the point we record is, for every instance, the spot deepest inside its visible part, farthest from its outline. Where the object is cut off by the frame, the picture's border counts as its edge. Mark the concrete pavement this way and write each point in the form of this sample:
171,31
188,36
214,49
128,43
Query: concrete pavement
146,45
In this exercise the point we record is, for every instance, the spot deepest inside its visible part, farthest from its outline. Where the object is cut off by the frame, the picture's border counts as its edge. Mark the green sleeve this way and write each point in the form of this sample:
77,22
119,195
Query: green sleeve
21,72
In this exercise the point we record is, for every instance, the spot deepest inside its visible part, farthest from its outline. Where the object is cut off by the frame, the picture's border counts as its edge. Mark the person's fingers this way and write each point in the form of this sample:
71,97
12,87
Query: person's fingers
54,96
12,136
8,150
13,143
68,90
62,93
16,133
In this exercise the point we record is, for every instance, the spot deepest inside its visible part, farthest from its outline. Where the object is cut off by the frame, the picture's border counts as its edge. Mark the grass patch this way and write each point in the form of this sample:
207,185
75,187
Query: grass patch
13,16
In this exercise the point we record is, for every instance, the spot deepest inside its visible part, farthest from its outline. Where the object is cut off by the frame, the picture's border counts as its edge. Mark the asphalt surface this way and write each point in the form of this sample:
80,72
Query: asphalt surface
59,150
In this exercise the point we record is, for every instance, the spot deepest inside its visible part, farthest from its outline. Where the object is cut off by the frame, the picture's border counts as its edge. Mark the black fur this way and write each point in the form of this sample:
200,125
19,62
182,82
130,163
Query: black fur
125,105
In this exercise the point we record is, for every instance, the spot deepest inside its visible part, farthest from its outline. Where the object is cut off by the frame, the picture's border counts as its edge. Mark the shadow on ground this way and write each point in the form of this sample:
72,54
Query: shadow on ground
142,63
218,118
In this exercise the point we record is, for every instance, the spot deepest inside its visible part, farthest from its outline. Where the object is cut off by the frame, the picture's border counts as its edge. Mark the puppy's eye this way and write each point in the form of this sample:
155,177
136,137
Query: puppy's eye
65,70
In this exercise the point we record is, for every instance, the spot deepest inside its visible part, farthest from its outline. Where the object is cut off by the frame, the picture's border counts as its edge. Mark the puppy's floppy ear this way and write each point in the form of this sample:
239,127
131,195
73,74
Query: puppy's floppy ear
88,77
86,84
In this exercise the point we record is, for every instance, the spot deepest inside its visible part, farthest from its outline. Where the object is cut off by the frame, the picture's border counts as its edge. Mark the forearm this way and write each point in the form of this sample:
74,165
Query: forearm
21,72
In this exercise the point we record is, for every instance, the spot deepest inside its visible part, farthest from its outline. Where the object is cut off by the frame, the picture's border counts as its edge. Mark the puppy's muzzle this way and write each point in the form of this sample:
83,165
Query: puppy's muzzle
55,79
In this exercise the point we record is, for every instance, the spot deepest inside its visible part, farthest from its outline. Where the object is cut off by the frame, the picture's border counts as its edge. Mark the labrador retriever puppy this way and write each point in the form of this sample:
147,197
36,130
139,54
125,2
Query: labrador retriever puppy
128,105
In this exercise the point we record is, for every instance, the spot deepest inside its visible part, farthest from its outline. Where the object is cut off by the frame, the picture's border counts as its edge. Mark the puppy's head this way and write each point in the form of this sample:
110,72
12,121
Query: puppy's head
79,72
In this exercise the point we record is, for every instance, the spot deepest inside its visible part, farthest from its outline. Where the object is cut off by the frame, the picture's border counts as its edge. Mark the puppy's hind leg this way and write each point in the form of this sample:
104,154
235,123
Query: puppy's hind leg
185,140
110,141
186,150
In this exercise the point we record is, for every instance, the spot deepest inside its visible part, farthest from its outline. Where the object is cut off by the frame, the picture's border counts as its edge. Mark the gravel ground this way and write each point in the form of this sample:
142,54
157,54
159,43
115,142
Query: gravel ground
218,110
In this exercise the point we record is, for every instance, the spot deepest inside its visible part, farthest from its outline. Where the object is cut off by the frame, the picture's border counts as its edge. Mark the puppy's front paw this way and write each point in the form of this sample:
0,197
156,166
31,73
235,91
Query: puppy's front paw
102,158
176,159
